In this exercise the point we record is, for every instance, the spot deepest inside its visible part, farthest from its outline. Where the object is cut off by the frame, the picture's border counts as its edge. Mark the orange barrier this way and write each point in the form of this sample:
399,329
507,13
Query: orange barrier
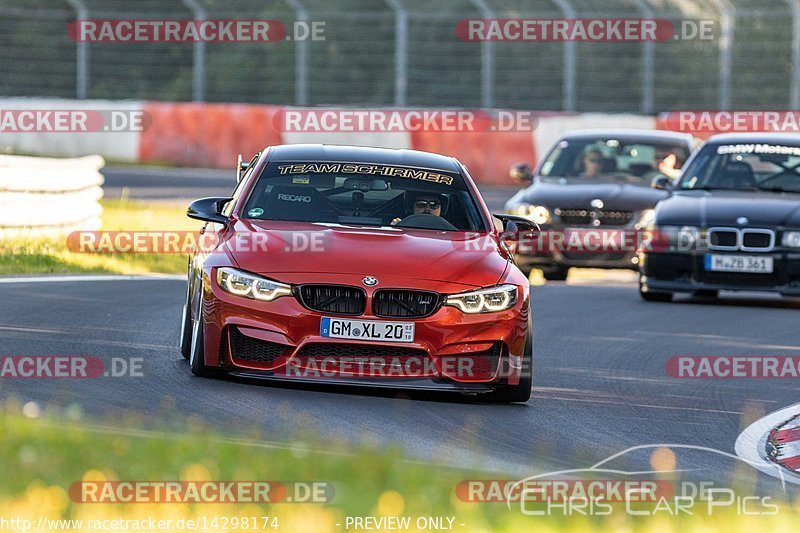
206,135
487,155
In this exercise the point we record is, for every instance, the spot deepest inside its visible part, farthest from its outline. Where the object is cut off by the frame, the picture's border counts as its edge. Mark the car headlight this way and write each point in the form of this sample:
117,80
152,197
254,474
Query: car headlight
250,286
537,213
488,300
791,239
647,219
675,238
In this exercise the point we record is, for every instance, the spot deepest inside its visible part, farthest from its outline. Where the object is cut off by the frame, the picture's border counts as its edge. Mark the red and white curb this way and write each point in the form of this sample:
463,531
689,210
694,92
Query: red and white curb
772,444
784,444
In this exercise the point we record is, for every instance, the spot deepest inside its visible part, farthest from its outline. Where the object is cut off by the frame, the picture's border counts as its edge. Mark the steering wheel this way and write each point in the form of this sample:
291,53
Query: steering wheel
425,221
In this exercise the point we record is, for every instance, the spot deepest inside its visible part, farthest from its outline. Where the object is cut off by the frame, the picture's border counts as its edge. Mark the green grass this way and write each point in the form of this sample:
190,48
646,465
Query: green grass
43,456
26,255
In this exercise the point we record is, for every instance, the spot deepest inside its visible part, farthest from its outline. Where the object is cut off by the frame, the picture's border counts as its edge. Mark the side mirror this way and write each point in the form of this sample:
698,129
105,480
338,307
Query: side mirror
521,173
517,224
208,210
661,182
517,230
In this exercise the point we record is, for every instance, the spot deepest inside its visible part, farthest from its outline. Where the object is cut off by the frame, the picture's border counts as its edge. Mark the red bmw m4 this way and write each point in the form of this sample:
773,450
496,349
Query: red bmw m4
360,266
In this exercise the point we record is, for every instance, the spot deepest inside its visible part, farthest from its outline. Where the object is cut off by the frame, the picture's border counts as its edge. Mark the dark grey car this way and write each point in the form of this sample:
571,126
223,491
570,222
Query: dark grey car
594,180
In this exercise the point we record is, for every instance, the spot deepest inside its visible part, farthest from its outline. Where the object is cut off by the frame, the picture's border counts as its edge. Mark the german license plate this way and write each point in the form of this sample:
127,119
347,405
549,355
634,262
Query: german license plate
373,330
739,263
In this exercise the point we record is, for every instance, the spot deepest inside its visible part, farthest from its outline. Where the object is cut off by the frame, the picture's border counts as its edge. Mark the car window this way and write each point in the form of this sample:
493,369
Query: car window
610,159
749,166
364,194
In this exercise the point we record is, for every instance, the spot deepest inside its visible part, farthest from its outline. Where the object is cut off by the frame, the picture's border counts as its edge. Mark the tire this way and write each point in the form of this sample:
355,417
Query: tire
557,273
521,392
197,360
651,296
186,328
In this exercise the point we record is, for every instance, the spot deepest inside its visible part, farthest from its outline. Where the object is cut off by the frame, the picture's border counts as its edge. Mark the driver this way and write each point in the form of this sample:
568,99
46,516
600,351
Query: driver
592,163
423,204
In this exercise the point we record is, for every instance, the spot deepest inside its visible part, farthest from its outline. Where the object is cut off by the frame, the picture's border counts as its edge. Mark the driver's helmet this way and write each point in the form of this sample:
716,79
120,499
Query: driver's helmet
411,197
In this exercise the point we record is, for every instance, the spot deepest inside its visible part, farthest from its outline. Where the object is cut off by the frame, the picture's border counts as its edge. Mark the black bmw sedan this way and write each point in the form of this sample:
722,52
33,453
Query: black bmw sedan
592,191
732,222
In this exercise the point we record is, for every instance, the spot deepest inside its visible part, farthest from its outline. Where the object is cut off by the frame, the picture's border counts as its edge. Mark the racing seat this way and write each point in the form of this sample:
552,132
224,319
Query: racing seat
608,165
304,204
736,175
640,169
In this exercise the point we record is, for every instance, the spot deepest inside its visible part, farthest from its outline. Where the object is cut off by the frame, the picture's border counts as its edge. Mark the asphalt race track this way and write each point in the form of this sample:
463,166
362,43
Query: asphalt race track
600,380
600,383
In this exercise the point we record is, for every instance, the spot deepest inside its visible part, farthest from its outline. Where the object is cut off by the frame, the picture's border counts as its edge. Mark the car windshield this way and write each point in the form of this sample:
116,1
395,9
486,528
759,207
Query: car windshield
364,194
612,160
744,167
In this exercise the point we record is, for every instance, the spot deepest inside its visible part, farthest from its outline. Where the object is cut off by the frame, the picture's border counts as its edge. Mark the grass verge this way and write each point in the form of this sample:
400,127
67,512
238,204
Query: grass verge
27,255
43,456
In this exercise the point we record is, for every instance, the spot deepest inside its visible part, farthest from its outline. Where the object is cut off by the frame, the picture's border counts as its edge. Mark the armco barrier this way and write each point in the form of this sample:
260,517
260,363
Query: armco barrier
44,196
122,146
206,135
211,135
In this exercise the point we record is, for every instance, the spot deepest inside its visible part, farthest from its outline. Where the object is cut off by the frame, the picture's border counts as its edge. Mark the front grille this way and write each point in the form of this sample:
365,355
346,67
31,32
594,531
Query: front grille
337,299
347,350
586,217
255,350
723,239
745,239
756,239
404,304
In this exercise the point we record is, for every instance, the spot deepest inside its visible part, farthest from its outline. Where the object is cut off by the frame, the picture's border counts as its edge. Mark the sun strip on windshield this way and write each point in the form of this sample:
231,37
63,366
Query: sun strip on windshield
377,170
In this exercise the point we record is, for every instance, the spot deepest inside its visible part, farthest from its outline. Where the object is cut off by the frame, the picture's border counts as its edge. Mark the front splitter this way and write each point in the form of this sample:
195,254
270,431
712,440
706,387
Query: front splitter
386,383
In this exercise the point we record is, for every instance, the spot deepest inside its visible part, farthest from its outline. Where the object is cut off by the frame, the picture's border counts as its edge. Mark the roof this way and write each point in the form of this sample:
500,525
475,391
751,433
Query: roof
760,137
629,135
363,154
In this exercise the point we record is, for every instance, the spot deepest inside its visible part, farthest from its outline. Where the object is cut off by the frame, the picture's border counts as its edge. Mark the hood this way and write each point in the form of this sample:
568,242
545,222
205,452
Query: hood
578,195
722,208
295,252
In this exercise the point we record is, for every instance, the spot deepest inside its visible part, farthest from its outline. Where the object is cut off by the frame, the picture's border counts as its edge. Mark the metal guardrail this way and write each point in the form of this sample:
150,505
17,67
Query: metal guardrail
406,53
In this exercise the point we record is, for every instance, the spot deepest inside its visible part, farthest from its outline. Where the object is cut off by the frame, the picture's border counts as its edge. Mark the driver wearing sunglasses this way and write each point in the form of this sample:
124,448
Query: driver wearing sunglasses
424,204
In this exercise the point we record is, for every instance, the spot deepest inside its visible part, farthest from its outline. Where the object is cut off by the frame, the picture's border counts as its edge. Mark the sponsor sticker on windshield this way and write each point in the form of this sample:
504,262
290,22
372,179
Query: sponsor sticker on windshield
357,168
755,148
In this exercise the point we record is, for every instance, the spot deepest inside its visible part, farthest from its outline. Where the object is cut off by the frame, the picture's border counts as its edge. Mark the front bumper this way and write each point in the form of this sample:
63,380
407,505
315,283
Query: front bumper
683,272
280,340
